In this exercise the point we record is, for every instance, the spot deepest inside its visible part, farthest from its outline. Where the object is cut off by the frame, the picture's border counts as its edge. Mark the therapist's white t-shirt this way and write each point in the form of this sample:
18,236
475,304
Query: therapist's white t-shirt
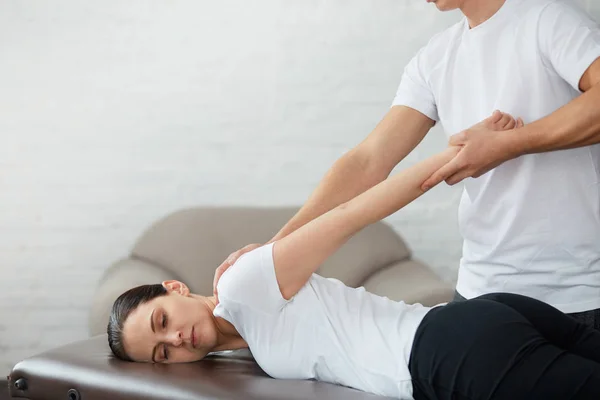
532,225
327,331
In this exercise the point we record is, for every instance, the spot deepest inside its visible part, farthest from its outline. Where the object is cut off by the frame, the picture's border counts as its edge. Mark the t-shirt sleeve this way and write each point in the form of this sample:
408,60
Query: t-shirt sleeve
569,40
251,282
414,90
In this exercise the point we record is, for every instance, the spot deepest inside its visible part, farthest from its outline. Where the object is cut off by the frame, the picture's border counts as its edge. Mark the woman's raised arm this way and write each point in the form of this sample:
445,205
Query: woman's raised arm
298,255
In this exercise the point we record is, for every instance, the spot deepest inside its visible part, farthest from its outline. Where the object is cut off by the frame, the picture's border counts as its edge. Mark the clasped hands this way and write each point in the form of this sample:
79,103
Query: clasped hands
483,147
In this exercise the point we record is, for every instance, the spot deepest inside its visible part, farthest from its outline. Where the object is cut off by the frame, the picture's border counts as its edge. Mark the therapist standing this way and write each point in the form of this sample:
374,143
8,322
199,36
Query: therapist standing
530,209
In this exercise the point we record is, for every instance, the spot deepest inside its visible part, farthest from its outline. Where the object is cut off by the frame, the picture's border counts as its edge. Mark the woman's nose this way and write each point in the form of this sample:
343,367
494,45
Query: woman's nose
175,338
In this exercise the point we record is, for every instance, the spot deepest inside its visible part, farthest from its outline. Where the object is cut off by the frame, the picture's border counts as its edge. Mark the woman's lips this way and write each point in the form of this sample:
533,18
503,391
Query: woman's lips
193,338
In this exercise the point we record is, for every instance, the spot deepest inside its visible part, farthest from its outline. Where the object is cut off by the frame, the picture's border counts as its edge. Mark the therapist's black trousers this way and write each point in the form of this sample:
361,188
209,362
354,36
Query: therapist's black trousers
504,346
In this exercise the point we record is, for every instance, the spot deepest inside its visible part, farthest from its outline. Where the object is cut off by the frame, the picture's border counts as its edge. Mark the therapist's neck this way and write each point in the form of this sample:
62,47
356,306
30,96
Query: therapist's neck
479,11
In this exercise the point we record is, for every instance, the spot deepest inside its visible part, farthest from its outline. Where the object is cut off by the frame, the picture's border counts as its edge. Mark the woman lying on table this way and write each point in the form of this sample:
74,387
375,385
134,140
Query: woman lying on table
300,325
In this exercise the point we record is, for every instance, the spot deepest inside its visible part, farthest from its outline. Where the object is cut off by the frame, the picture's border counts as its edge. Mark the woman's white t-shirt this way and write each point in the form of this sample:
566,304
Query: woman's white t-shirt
327,331
532,225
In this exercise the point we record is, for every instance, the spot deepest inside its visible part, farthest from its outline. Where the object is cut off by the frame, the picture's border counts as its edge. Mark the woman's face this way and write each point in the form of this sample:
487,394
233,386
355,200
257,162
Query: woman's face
177,327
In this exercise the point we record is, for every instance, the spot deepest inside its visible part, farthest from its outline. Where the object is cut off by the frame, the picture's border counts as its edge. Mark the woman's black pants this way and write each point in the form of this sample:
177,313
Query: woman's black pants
504,346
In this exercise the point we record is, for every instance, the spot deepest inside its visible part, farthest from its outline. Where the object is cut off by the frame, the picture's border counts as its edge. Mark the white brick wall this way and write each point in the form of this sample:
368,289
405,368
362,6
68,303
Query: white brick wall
115,113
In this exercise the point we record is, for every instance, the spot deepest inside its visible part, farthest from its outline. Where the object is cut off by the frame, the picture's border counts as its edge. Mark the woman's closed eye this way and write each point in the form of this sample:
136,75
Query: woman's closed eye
163,323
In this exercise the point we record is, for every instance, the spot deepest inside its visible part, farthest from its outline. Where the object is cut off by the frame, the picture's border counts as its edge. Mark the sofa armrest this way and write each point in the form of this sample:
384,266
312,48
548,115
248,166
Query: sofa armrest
409,281
121,276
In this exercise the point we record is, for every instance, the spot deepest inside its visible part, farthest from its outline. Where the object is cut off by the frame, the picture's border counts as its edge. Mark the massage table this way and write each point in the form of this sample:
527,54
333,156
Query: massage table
86,370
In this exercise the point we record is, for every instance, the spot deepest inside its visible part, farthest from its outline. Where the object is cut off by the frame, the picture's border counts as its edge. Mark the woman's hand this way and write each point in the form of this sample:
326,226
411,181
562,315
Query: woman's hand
231,259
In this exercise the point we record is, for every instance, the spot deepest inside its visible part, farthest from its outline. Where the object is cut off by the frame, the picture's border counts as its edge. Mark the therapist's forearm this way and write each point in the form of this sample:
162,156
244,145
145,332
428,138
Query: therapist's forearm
367,164
576,124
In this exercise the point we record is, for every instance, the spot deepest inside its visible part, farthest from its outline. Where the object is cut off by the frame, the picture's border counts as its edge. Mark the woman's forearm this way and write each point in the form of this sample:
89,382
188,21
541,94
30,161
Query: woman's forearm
395,192
334,189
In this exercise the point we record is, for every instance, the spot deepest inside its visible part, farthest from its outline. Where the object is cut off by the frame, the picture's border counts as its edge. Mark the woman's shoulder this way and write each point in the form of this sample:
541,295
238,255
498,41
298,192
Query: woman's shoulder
251,281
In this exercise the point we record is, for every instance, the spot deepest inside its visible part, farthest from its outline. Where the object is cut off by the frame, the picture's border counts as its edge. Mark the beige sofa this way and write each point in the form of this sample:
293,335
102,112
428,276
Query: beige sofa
188,245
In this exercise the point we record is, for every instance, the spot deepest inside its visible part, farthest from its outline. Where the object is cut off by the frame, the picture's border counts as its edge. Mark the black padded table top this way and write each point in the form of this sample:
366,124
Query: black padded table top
86,370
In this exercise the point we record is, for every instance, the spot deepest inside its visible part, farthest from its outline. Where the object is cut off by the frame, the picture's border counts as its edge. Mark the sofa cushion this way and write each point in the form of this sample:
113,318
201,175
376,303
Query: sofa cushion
192,243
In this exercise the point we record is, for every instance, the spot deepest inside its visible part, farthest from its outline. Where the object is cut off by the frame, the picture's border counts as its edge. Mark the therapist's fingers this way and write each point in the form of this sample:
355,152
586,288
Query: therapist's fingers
505,121
442,174
510,124
496,116
496,122
218,272
458,139
458,177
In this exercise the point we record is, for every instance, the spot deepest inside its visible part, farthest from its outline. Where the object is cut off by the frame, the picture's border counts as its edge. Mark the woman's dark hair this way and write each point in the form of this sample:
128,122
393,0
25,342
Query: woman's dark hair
122,307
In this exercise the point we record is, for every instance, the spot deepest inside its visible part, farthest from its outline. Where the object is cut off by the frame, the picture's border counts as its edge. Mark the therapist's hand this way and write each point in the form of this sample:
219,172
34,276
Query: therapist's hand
231,259
483,147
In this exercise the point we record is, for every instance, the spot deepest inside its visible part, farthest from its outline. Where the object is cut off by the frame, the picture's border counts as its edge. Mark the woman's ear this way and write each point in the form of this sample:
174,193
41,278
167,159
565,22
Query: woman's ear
177,287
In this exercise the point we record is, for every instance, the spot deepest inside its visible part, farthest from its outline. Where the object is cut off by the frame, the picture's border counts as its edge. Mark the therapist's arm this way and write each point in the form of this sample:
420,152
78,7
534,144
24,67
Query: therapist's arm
369,163
576,124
